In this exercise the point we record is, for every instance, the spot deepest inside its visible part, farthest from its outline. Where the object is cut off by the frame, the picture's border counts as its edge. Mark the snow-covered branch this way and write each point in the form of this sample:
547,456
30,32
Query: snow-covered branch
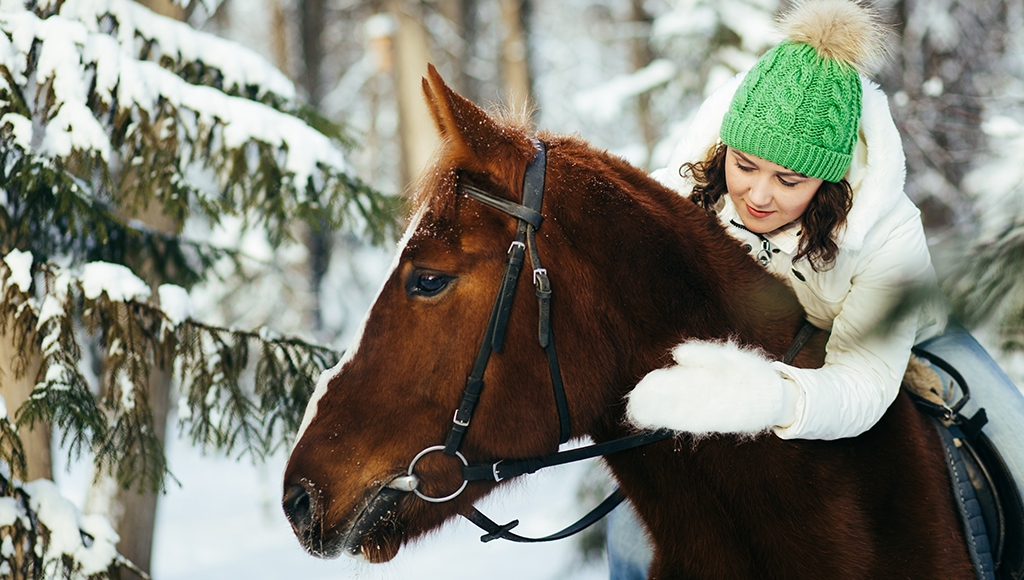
43,535
227,401
142,107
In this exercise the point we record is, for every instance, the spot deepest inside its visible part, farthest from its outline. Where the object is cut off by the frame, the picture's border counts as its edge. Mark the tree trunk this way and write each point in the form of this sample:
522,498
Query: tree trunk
412,52
312,18
16,389
464,16
514,55
642,57
279,34
937,81
133,513
134,509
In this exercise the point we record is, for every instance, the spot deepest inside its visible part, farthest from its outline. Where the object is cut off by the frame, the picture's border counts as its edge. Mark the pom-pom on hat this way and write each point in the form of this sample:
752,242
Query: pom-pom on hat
800,105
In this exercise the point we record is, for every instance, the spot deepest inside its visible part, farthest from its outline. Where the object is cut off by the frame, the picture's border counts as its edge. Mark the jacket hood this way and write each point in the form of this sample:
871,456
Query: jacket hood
876,174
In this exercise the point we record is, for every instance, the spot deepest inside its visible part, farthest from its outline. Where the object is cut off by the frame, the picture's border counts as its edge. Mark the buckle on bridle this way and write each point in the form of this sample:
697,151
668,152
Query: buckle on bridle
458,421
494,470
539,273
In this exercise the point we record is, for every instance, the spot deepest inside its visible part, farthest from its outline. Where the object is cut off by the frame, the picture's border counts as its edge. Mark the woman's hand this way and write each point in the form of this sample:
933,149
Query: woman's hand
715,387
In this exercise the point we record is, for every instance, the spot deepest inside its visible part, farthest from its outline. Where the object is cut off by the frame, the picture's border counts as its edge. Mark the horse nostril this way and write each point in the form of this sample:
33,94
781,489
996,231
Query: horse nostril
297,507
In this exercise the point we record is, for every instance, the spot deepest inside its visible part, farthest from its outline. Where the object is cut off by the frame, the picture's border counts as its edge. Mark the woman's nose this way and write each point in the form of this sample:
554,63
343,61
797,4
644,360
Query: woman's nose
760,194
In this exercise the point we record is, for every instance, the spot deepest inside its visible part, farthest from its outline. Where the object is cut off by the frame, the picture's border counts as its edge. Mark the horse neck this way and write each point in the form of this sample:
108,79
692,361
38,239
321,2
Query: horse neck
636,269
680,274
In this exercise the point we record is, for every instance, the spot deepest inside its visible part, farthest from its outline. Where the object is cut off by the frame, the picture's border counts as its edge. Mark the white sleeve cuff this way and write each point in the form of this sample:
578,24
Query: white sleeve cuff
793,405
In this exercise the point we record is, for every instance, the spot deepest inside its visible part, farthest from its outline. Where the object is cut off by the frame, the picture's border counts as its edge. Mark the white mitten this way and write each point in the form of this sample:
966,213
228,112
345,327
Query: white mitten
716,387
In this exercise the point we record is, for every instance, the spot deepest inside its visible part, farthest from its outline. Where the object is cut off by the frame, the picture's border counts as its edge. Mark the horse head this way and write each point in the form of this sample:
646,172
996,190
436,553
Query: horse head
633,266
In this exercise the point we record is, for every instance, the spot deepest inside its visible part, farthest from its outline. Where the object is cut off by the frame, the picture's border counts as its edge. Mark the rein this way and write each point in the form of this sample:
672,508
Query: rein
529,217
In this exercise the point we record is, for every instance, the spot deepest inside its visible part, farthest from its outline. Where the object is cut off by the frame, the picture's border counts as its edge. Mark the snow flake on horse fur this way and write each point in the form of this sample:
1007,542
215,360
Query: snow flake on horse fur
326,376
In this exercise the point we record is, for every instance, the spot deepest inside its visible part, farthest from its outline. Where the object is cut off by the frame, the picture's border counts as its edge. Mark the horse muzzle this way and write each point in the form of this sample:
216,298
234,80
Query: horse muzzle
305,508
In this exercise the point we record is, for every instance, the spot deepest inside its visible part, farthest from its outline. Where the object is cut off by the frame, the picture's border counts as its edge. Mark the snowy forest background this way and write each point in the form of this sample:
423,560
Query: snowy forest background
250,200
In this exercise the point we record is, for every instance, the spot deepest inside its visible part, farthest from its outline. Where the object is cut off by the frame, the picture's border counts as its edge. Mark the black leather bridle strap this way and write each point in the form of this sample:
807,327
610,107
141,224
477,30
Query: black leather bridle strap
509,468
506,469
520,212
529,219
493,336
496,531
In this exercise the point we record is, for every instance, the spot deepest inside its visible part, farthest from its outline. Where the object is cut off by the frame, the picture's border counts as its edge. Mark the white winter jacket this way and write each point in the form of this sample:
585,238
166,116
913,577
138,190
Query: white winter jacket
881,251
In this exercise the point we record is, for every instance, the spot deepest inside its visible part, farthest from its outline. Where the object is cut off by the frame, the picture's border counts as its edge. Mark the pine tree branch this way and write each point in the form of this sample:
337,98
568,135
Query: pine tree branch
233,402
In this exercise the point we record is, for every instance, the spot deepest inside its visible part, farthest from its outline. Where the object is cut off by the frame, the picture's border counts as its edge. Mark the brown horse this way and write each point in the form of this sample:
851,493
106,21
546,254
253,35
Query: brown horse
635,269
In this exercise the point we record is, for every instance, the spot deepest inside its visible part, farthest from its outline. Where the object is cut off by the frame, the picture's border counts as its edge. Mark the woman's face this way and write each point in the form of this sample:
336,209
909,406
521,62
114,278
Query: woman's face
766,195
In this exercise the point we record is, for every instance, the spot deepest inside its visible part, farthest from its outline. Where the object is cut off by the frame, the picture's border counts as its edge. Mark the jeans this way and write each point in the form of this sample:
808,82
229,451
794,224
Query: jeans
629,551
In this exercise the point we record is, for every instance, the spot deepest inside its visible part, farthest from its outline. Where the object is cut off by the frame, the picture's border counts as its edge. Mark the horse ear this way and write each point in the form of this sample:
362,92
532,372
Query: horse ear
481,143
431,99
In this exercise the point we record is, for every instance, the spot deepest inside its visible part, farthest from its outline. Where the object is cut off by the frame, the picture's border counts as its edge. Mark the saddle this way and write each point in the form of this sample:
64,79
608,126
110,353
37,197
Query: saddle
989,500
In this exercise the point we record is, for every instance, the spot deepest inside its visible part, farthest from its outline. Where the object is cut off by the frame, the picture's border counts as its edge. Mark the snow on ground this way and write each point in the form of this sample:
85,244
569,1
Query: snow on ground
225,521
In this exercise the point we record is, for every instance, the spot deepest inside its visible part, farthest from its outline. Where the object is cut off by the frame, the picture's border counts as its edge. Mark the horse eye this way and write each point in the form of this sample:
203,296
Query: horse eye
427,284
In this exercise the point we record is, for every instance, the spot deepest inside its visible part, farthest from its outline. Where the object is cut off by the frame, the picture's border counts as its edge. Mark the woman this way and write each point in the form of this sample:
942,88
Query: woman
801,161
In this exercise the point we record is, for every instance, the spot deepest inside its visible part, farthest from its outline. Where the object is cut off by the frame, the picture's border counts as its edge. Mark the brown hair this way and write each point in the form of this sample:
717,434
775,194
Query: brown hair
823,219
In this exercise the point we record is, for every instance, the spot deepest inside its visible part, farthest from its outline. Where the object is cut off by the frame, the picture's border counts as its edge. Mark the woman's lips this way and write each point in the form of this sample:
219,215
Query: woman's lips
758,214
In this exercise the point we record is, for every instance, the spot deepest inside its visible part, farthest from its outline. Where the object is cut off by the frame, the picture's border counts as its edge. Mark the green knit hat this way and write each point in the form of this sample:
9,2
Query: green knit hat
800,105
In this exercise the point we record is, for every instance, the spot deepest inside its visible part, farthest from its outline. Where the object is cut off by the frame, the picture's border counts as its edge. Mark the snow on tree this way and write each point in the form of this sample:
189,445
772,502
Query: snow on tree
109,112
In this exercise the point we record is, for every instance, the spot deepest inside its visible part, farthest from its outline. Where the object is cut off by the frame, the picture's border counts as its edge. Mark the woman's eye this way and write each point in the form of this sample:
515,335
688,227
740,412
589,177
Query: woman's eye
786,183
427,284
744,168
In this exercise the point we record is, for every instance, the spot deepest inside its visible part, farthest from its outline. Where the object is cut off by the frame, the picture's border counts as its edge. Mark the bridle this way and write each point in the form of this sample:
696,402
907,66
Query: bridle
529,220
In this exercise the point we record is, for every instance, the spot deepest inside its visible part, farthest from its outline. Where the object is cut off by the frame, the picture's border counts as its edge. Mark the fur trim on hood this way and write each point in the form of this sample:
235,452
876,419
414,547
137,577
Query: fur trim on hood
876,174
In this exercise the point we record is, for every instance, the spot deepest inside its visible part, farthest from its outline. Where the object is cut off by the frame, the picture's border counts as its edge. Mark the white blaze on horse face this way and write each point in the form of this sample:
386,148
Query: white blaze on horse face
327,375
